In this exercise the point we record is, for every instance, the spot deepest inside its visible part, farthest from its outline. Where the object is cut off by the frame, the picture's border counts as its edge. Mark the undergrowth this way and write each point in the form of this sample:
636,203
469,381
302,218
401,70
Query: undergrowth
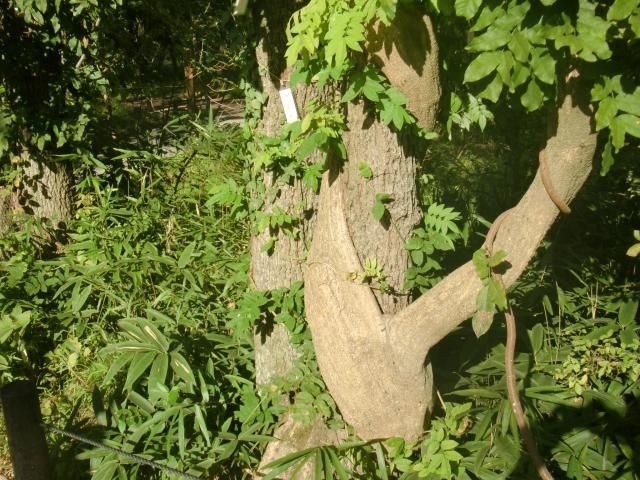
139,332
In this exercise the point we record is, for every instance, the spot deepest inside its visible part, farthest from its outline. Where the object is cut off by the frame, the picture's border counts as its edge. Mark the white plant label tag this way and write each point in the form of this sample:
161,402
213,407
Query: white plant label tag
289,105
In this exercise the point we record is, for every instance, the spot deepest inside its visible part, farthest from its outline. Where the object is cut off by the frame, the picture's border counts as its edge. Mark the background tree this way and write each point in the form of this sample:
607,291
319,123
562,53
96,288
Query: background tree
52,81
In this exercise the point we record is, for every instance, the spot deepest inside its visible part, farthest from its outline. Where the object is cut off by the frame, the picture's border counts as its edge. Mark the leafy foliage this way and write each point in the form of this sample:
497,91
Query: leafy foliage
602,355
526,49
140,329
492,296
439,234
51,71
134,310
372,274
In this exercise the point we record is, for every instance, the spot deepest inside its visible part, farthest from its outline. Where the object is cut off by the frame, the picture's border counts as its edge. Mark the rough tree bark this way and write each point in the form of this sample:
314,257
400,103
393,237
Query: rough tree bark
274,354
274,351
7,203
47,188
45,191
393,161
46,185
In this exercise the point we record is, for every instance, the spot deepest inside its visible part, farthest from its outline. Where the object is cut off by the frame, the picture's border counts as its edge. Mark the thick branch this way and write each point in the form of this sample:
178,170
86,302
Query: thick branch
377,392
569,155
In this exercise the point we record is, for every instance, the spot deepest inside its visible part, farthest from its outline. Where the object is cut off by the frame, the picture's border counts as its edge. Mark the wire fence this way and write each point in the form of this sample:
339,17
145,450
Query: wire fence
131,456
25,429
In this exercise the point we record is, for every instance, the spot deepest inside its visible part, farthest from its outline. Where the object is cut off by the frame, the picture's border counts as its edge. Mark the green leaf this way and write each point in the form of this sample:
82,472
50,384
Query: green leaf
378,210
497,258
467,8
611,403
202,424
630,123
491,40
139,365
181,434
267,247
383,197
536,337
520,47
382,464
483,301
337,465
185,256
621,9
182,369
627,313
634,250
519,75
41,5
151,333
106,470
607,110
482,65
592,34
117,365
414,243
417,257
497,295
574,469
311,143
533,97
481,263
386,10
158,372
493,90
544,67
78,299
280,465
634,22
607,157
481,322
629,103
628,336
141,402
617,134
365,170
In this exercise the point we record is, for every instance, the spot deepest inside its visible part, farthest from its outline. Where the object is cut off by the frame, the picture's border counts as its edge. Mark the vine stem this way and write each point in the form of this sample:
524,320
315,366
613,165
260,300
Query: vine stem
510,320
514,397
510,372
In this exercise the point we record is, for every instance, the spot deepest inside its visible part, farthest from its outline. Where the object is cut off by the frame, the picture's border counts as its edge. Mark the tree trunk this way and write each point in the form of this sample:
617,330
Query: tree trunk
375,406
190,87
283,266
45,192
7,203
274,351
47,188
392,158
373,362
372,347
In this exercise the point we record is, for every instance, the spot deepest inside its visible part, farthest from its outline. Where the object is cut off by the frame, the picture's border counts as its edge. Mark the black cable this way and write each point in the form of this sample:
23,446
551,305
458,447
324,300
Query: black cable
130,456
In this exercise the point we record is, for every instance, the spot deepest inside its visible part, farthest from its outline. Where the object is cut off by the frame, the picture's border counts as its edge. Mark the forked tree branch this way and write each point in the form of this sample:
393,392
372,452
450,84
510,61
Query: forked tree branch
569,155
374,364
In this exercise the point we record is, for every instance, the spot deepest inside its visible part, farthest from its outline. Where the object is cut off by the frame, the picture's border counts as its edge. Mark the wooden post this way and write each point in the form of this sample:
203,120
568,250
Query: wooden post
27,443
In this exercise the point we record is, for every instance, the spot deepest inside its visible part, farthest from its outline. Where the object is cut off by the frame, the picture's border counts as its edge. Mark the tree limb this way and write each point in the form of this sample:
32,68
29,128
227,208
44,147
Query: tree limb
569,154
